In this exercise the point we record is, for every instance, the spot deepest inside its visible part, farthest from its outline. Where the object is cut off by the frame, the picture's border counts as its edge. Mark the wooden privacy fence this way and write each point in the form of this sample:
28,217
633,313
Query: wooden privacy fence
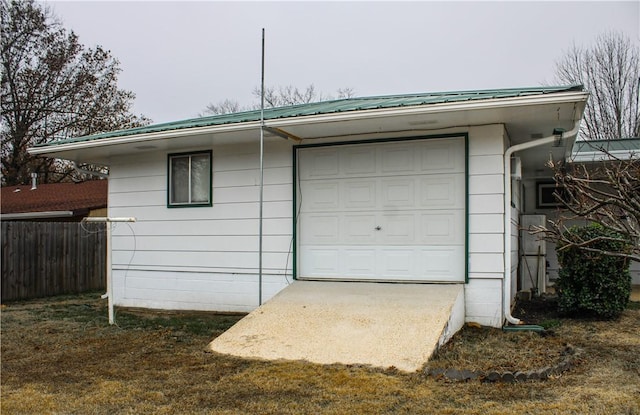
41,259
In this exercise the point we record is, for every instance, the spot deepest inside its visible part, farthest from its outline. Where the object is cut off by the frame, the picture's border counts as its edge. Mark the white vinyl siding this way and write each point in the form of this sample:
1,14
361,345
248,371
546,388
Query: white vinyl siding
483,302
202,259
483,293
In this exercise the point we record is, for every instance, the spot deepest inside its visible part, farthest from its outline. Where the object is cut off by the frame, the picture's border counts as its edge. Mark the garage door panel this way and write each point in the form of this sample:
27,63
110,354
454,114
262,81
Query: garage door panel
383,211
442,157
442,227
398,192
359,194
358,262
320,164
398,159
320,229
442,191
359,229
321,262
398,228
321,196
400,263
442,263
397,262
358,161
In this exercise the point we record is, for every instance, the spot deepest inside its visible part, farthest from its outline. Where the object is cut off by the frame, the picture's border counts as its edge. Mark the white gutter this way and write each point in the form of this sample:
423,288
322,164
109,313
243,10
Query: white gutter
555,98
37,215
507,212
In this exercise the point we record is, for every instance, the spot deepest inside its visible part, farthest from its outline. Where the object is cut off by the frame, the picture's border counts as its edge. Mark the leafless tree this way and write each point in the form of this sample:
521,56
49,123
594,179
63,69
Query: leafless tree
606,192
224,107
610,71
346,92
280,96
288,95
52,87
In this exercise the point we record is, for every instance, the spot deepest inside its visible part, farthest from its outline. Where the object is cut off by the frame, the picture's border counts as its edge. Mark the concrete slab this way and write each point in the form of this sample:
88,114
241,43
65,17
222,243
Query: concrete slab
324,322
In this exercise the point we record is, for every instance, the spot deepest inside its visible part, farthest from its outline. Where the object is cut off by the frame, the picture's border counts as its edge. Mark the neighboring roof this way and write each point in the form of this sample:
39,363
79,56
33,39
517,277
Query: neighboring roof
595,150
58,197
329,107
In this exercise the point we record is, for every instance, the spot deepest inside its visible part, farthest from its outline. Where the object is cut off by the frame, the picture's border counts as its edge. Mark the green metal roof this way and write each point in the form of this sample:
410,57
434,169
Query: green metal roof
328,107
589,151
622,144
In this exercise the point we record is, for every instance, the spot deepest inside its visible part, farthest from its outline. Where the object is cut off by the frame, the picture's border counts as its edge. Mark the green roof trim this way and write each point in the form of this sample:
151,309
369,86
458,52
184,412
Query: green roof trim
327,107
591,151
621,144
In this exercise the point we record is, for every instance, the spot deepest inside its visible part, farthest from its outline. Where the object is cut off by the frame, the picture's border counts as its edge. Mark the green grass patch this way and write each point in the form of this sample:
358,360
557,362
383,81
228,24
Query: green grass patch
198,325
633,305
550,323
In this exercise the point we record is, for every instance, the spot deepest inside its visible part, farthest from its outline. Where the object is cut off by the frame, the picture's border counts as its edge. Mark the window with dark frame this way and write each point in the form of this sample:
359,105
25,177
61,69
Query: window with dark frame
546,195
189,181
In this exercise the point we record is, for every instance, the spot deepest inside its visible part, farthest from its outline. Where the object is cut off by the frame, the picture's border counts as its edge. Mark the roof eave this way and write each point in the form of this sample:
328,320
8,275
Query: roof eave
561,97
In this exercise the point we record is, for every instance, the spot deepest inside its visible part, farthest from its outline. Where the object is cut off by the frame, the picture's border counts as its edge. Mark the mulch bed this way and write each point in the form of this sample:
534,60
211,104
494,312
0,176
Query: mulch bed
537,310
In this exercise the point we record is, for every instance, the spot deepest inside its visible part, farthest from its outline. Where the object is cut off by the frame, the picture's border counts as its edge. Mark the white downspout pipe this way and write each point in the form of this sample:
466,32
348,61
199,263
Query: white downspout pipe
507,212
109,293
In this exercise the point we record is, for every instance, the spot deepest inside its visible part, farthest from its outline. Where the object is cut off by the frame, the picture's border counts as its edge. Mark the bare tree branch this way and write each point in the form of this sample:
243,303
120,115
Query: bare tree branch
610,71
224,107
606,192
52,87
280,96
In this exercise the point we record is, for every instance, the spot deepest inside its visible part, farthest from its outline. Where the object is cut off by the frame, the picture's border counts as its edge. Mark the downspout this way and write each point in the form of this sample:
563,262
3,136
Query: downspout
507,211
109,294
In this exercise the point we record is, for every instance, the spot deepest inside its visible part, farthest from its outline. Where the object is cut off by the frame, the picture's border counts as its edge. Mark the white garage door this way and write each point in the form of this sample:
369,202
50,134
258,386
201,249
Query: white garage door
390,211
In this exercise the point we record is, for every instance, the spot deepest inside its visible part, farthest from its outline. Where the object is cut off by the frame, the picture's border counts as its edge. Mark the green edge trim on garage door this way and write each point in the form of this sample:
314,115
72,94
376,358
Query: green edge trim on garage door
383,140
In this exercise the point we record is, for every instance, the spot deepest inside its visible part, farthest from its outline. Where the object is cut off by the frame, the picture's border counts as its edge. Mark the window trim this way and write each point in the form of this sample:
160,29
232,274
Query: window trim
542,195
189,154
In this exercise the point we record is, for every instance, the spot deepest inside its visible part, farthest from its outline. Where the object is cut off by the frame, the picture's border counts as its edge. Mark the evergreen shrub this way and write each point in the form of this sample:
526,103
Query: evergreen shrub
593,284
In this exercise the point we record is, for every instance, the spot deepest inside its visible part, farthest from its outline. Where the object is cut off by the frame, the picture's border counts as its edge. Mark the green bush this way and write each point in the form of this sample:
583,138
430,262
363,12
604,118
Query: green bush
592,284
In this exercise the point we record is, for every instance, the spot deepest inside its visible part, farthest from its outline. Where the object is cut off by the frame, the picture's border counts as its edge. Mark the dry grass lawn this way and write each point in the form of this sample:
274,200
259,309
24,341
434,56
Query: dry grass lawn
60,356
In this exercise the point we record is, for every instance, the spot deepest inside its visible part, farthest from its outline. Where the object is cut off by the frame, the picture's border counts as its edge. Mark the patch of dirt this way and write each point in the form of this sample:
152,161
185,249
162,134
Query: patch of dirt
538,310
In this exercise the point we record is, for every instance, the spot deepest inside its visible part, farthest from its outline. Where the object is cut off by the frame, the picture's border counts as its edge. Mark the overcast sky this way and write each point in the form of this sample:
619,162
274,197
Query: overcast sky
179,56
